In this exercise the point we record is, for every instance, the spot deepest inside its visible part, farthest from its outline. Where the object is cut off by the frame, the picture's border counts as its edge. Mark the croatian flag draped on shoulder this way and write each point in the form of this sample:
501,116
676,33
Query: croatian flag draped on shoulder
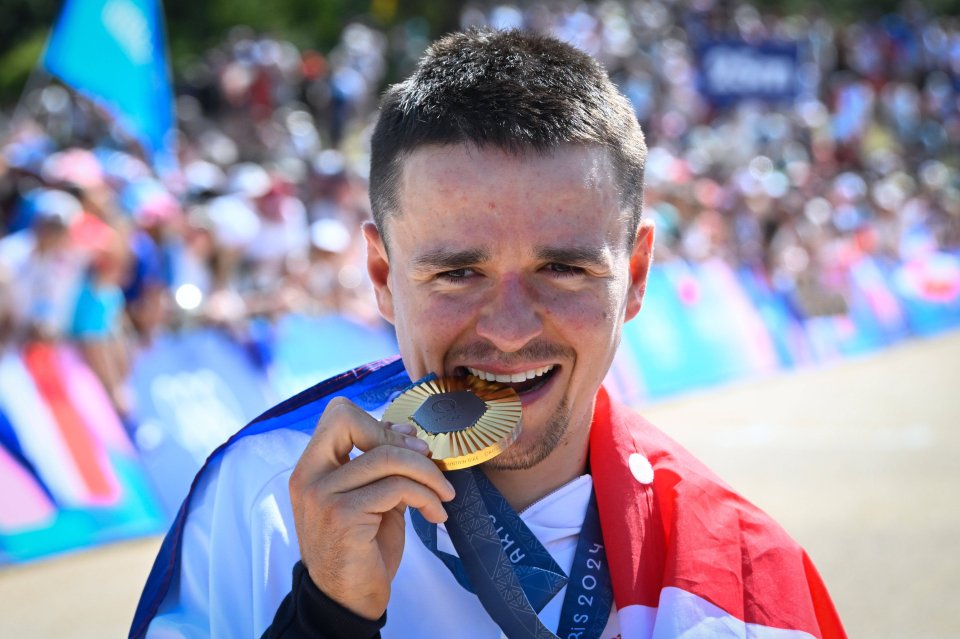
688,557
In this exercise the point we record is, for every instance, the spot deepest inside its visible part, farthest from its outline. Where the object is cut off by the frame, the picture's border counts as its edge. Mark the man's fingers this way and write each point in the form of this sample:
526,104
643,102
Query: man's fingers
343,426
383,462
390,450
386,494
405,429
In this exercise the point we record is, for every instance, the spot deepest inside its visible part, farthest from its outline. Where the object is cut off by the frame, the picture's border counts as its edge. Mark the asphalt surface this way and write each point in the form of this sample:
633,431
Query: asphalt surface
859,460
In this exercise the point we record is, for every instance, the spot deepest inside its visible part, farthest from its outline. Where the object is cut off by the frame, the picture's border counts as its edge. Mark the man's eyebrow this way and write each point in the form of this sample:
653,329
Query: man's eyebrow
445,259
575,255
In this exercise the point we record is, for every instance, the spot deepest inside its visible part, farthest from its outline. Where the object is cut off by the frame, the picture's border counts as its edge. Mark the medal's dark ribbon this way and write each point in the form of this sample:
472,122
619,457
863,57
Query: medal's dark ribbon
539,575
586,606
511,572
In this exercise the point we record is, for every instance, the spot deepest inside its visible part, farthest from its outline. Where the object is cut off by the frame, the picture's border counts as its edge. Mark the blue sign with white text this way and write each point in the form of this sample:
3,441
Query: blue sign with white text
733,71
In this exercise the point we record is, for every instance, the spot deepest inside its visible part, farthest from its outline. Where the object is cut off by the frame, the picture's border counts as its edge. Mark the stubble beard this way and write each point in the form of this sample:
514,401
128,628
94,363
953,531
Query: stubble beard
524,457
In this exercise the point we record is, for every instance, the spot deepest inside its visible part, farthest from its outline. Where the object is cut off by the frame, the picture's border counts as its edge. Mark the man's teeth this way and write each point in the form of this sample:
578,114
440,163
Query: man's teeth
516,377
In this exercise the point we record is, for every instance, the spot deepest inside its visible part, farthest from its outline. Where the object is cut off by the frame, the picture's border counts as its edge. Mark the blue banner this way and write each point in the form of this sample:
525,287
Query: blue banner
308,349
929,289
193,392
697,328
114,51
733,71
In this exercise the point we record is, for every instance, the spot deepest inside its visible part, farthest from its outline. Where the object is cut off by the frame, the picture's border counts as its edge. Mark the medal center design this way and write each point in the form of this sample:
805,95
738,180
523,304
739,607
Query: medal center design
449,412
464,420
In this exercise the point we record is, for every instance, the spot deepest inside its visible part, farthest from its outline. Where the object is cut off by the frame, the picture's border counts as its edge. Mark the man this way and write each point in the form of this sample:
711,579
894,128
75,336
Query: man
506,187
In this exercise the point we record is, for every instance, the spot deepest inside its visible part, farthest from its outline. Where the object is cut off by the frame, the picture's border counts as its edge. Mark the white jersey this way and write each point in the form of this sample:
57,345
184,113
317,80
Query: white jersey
240,546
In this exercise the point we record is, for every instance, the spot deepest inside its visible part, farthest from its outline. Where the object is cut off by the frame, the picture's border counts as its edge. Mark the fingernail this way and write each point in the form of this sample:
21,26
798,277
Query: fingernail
416,444
453,491
402,427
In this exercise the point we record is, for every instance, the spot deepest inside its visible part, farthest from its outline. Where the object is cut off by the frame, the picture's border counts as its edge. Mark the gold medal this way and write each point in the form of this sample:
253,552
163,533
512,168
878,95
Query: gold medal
464,420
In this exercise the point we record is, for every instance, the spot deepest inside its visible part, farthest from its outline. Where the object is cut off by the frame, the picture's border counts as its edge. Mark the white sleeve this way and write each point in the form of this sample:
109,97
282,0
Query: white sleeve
239,544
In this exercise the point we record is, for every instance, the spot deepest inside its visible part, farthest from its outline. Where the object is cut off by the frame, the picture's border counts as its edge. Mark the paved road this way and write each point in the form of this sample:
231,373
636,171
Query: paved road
859,460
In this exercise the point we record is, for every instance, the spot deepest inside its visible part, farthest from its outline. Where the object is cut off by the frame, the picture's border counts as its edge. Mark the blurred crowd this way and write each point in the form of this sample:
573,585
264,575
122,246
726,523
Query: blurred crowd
261,215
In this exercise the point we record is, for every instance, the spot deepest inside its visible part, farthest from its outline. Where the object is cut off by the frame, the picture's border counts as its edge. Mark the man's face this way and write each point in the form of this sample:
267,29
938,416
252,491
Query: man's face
514,267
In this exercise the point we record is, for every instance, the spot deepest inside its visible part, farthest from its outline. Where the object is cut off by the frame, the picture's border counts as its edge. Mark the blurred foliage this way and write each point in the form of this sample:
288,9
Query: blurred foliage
16,64
22,19
195,25
24,25
844,10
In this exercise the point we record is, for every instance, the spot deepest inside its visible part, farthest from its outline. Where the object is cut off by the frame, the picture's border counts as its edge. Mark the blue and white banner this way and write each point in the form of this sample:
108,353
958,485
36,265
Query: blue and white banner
194,390
731,71
70,477
114,51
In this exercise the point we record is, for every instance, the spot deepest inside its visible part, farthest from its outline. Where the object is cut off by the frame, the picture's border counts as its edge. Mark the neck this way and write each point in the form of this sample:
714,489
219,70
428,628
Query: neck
566,462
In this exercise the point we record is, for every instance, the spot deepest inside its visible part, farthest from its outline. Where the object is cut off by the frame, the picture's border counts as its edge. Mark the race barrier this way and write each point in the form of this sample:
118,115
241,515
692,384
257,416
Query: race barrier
74,475
71,477
193,391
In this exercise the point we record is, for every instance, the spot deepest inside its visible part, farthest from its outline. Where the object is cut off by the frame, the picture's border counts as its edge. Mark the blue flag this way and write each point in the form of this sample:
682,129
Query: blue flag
114,51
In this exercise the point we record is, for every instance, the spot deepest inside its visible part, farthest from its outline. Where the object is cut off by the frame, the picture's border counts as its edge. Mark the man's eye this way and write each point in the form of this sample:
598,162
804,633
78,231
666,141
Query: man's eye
456,275
563,270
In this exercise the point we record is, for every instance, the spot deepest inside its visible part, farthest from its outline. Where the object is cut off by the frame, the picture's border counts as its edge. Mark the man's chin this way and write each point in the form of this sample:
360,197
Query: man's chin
533,448
515,459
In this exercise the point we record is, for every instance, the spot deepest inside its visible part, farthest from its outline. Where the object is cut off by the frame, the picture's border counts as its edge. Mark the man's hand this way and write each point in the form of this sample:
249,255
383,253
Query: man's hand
349,513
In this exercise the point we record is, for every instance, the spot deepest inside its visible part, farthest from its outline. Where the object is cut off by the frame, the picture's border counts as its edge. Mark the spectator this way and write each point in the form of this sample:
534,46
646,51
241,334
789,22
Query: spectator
863,163
98,321
44,266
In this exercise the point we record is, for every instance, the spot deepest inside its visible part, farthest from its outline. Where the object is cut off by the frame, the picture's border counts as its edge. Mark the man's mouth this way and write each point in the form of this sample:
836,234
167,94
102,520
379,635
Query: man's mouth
523,381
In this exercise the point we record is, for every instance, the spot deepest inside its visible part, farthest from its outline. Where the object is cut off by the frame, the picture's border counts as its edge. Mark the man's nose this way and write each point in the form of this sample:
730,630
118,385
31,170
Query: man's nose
511,318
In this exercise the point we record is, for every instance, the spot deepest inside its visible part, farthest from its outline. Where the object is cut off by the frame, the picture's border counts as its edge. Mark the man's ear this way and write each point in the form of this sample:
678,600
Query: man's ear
640,260
378,267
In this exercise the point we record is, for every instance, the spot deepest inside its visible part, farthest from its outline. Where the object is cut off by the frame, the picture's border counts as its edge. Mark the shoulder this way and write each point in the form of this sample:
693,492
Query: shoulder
238,509
686,489
271,445
248,484
694,534
256,458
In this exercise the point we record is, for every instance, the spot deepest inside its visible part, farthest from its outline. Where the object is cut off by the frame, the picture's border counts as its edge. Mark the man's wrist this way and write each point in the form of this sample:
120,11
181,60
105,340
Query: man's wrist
309,612
327,615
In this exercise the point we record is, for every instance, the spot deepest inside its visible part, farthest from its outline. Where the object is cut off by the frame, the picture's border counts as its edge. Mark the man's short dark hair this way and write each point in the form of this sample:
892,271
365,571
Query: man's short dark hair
512,91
